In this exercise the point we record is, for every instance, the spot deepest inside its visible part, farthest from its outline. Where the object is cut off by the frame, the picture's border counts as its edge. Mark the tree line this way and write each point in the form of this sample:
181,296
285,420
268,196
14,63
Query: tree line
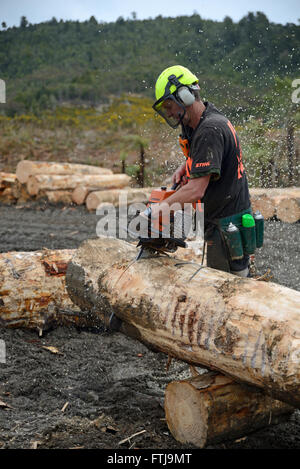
57,62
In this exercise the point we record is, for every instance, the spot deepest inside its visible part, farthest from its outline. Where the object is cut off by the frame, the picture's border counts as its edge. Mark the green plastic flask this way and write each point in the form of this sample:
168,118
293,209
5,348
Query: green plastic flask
248,233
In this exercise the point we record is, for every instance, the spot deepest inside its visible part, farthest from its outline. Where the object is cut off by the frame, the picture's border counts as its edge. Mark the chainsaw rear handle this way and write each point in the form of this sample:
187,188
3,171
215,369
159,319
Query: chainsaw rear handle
174,187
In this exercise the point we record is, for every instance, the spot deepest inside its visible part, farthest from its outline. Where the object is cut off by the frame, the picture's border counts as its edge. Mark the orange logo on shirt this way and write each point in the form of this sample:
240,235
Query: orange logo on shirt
239,154
201,165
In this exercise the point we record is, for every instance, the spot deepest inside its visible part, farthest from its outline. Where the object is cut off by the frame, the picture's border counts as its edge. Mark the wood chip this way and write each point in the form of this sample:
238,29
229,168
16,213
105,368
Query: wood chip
240,439
52,350
34,444
4,405
131,436
64,406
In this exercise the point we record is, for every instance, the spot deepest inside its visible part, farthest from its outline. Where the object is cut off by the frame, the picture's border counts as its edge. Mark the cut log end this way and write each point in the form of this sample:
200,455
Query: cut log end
288,210
212,407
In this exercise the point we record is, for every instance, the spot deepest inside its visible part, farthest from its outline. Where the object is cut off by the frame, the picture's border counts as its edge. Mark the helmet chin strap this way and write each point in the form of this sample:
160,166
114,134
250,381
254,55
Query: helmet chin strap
181,116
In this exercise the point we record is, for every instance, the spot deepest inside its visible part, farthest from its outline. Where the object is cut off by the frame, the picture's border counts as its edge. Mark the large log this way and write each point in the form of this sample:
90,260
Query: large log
42,182
212,407
33,292
28,168
244,328
117,197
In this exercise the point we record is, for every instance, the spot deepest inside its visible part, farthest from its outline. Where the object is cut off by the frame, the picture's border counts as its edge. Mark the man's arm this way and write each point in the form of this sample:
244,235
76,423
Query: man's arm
189,193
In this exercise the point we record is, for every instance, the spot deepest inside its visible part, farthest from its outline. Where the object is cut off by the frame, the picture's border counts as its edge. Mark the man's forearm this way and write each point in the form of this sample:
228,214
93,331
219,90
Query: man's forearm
189,193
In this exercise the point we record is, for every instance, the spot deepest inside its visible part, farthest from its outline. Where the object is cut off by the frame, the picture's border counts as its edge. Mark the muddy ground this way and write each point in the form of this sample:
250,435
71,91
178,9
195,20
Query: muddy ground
104,387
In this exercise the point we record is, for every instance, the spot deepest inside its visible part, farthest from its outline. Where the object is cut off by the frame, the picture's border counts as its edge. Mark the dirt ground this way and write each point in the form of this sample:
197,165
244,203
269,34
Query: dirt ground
105,387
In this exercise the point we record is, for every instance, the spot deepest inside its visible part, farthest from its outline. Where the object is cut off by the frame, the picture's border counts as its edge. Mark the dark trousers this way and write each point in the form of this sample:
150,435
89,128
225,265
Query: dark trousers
218,255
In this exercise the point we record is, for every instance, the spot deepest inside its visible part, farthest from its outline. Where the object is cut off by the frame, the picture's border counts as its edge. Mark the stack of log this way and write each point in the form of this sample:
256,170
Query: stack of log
284,203
93,186
68,183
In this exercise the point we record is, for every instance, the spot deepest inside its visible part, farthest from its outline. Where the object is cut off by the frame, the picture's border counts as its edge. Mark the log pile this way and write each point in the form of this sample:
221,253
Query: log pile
68,184
284,203
79,184
246,332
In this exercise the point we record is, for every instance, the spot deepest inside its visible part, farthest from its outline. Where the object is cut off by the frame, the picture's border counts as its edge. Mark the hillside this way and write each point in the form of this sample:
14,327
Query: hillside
47,64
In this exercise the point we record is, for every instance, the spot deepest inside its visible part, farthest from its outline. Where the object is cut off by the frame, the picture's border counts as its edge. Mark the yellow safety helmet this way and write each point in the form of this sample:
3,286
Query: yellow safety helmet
176,83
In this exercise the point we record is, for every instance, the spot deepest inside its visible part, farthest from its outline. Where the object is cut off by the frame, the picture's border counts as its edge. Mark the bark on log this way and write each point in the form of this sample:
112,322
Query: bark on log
33,292
211,408
42,182
28,168
115,197
244,328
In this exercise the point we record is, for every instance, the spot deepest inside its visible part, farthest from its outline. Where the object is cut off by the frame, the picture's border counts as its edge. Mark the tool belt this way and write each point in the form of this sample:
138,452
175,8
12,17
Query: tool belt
244,240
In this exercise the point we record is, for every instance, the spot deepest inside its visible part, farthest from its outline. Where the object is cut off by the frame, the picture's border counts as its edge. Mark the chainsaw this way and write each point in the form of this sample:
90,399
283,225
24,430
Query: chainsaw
160,238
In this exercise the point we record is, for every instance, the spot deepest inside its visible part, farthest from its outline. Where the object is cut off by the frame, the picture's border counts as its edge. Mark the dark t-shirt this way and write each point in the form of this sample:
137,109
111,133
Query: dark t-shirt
215,149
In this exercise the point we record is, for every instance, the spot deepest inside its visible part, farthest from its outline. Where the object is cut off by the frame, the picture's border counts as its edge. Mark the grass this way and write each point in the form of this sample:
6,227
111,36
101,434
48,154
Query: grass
102,138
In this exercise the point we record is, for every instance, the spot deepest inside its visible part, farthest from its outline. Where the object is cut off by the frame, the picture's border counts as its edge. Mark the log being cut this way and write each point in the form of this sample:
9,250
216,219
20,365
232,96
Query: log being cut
42,182
211,407
244,328
33,291
28,168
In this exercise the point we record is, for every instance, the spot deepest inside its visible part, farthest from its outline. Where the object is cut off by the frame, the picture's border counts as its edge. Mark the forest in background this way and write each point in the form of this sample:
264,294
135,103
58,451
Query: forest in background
83,91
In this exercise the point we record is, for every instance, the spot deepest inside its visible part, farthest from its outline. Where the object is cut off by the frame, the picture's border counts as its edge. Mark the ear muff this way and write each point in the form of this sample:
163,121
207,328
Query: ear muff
185,95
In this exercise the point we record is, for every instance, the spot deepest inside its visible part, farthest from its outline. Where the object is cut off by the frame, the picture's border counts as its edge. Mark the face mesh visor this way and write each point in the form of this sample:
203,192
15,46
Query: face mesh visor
170,109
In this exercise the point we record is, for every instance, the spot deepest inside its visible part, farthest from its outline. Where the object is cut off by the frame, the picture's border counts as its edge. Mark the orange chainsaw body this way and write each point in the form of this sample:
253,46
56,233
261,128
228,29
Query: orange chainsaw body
158,195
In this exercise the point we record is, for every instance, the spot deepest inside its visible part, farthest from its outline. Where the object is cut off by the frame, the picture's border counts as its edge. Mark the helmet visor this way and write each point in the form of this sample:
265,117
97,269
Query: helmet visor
170,109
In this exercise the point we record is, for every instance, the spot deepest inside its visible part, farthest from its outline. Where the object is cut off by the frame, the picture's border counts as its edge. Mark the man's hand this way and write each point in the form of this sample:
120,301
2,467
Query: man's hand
180,176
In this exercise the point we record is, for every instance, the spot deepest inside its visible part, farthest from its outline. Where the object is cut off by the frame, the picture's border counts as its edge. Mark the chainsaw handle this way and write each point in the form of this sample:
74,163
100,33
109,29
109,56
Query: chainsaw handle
174,187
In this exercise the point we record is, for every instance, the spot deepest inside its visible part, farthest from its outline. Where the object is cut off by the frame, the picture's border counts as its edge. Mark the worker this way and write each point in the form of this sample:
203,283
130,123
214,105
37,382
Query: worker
213,174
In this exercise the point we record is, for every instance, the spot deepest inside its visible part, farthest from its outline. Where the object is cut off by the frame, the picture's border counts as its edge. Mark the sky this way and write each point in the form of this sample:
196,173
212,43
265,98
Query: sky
37,11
